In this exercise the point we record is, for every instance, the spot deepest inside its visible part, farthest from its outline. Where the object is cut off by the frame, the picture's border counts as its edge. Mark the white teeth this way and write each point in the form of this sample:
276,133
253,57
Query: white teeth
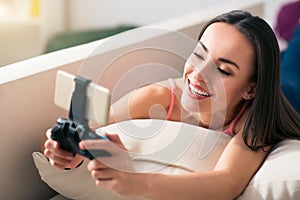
196,91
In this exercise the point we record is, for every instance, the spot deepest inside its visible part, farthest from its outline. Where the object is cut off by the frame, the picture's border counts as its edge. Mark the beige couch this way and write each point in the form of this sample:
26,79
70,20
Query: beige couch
27,87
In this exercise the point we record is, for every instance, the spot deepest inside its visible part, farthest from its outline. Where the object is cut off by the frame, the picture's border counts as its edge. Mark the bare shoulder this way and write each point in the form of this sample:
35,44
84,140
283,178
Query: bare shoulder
139,103
160,92
178,82
150,101
155,92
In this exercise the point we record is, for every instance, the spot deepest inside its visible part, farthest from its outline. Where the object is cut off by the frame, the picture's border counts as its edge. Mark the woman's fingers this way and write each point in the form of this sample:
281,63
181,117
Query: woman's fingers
116,140
96,165
58,157
52,149
57,164
100,171
115,149
48,133
104,174
119,159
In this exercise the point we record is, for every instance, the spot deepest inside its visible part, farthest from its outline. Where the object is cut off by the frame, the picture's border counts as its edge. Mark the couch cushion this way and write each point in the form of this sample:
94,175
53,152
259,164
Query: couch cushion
279,176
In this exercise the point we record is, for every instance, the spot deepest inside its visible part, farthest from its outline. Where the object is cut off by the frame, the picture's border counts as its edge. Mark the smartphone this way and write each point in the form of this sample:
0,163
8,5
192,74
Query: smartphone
98,98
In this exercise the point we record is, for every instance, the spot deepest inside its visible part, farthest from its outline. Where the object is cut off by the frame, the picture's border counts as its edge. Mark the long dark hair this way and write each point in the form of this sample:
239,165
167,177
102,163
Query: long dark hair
271,118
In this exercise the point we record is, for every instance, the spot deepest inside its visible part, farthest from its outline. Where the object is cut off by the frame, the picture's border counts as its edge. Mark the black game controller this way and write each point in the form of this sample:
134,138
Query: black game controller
69,132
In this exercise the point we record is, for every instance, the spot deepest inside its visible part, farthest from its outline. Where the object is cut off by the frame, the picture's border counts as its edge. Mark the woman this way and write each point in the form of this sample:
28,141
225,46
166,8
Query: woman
256,114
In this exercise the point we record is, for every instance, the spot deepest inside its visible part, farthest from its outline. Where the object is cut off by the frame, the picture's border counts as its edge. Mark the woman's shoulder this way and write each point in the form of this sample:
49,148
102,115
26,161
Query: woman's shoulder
155,93
162,88
155,90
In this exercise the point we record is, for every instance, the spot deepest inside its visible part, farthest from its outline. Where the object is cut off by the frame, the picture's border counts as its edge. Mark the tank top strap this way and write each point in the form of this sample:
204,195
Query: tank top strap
229,130
172,102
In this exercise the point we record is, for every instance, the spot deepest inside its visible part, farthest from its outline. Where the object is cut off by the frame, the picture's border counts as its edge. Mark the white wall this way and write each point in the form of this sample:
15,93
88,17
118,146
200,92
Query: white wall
60,15
23,36
89,14
101,13
271,9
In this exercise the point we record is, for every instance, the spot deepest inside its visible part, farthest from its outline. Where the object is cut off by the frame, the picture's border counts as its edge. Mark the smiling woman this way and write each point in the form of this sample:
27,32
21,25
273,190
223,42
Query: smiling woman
233,69
230,82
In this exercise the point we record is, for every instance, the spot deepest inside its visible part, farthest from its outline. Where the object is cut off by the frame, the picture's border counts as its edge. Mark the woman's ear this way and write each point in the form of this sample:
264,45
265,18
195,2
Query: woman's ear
251,91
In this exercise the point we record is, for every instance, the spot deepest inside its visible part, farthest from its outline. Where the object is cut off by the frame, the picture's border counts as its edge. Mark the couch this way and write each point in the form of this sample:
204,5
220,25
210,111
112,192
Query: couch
27,89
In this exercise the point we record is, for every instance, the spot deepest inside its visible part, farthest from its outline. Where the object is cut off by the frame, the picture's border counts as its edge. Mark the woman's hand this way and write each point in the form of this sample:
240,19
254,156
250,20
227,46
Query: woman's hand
125,184
116,172
59,158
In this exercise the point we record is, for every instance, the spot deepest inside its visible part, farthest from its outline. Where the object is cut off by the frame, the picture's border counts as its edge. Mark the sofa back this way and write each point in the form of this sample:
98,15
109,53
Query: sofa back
136,57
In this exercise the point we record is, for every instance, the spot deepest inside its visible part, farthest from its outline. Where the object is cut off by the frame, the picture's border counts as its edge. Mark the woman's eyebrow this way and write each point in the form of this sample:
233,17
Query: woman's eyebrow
224,60
203,46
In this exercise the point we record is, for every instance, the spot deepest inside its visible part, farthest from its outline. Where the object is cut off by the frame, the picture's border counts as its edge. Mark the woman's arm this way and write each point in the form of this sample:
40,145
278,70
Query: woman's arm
231,175
229,178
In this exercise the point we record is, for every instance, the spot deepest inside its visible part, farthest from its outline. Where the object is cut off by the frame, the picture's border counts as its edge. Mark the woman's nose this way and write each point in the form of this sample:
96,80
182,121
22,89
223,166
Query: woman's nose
196,74
205,70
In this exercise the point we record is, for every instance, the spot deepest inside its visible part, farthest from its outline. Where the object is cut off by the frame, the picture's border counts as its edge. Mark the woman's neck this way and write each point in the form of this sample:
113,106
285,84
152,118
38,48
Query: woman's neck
219,120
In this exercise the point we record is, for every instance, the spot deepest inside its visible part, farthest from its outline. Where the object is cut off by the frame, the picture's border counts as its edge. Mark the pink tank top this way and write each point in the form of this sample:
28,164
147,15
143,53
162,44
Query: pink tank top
228,131
173,92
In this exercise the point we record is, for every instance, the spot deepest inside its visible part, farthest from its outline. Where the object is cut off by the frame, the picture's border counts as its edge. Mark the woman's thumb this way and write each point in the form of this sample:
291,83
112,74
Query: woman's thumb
113,137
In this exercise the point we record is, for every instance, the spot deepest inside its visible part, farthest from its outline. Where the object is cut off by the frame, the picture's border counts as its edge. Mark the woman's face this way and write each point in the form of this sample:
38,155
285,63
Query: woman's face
217,74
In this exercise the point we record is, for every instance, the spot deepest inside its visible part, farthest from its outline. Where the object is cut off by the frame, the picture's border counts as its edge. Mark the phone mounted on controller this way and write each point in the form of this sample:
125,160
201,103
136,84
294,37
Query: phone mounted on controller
69,132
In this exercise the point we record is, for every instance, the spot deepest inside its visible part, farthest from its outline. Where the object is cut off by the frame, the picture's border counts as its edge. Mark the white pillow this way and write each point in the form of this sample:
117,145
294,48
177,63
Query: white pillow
188,147
279,176
73,184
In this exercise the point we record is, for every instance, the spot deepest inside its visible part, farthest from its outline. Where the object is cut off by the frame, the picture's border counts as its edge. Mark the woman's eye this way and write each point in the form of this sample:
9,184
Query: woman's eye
223,72
198,55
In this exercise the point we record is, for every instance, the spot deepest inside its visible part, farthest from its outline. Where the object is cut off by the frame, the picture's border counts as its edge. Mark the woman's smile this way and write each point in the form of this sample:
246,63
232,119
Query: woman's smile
196,91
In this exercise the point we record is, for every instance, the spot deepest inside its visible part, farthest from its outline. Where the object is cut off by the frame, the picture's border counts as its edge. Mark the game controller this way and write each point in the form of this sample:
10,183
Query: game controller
69,132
